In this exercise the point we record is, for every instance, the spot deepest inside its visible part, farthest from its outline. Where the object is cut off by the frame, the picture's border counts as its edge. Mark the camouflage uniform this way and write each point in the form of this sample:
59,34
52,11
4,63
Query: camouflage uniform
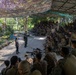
36,72
41,66
12,71
50,57
4,70
74,52
58,70
65,66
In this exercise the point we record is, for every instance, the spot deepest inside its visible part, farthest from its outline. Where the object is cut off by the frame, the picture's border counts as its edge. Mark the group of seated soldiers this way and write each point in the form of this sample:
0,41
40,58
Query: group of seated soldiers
44,64
63,42
42,28
58,42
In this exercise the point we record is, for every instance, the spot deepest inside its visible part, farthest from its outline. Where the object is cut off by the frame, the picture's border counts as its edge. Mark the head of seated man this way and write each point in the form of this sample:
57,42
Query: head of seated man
24,68
65,51
7,62
49,49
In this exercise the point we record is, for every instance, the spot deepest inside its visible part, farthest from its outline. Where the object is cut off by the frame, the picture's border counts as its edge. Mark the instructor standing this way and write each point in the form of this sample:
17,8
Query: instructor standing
25,39
17,45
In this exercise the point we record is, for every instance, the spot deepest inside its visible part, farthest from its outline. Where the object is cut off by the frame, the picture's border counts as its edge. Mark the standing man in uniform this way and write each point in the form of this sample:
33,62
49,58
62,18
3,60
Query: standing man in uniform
17,46
25,39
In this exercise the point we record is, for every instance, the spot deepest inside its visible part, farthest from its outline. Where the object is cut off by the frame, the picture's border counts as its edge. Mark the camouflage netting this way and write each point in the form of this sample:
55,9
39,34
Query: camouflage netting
19,8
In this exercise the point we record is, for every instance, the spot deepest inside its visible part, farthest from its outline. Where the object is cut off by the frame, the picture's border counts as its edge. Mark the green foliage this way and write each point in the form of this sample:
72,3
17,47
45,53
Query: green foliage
9,29
1,20
10,21
2,41
37,19
0,29
7,33
20,23
5,37
30,24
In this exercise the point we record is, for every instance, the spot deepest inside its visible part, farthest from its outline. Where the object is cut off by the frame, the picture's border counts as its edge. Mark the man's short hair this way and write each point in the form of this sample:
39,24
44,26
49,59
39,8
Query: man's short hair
14,60
24,66
39,56
6,62
65,50
49,49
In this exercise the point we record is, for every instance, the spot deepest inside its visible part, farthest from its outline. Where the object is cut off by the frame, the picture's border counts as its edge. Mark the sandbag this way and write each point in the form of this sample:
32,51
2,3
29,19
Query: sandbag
70,65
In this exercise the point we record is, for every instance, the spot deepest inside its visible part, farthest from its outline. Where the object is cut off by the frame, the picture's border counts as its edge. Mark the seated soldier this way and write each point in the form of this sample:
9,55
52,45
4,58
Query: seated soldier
40,65
4,70
13,68
50,57
36,72
58,69
24,69
66,65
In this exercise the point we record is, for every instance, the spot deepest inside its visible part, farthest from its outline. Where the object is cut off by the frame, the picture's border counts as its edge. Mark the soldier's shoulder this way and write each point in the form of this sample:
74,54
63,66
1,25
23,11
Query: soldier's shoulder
61,62
73,50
